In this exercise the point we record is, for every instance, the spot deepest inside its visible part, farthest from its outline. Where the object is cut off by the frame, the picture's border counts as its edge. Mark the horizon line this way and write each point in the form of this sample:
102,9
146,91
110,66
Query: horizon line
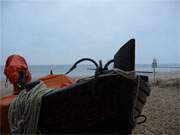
92,64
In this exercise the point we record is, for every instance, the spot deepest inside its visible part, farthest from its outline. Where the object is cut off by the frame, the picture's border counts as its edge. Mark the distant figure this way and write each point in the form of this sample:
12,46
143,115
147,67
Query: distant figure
154,66
154,63
51,72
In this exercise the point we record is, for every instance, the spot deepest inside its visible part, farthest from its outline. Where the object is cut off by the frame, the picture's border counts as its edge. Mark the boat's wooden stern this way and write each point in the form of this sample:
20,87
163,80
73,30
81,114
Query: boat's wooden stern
103,104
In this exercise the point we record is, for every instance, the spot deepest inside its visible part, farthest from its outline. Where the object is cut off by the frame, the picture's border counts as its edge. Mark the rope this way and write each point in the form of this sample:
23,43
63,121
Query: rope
143,121
24,111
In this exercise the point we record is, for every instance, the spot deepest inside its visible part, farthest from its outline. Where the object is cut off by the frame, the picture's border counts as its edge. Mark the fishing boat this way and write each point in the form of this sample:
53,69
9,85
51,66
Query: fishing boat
110,101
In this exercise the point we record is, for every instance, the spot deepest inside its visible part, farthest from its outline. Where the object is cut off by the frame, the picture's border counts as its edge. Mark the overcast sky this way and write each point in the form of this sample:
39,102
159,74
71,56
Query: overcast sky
62,31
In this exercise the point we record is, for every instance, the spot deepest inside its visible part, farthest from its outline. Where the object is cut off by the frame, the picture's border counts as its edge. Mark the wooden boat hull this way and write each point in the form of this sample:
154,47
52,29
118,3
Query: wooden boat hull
103,104
108,102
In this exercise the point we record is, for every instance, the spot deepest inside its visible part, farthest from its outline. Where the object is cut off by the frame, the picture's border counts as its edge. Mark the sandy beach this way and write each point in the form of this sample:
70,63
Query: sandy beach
162,108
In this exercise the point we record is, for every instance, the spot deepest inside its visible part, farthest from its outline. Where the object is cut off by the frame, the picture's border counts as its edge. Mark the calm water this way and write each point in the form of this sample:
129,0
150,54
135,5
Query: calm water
83,70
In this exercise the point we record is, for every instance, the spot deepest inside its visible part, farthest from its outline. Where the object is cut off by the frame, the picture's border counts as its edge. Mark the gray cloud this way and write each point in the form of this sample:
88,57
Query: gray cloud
60,32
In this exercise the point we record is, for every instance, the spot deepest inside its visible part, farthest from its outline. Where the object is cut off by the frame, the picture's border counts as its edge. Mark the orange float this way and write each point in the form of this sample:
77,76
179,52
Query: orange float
16,70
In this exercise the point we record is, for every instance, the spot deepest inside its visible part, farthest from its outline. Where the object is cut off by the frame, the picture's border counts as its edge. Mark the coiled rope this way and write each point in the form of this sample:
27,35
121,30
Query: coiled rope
24,111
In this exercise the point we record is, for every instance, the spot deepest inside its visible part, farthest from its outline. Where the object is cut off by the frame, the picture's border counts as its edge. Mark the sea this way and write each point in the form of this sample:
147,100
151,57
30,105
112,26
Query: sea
87,70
